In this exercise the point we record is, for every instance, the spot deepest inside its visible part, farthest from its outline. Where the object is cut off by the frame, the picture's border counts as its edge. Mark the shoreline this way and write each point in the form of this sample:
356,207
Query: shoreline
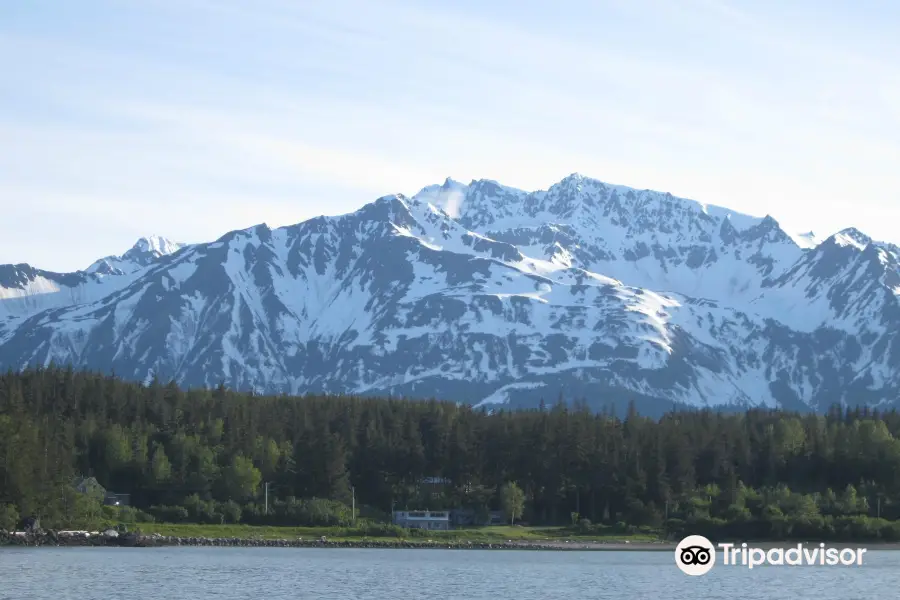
54,539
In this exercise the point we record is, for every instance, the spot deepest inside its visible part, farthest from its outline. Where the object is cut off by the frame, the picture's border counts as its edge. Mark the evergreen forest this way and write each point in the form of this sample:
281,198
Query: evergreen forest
218,456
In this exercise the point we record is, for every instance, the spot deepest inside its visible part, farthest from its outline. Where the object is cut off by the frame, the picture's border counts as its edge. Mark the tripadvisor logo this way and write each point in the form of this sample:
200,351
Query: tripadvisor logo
696,555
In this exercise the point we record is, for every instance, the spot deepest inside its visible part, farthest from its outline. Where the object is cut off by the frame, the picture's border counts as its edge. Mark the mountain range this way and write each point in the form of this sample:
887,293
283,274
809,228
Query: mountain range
491,296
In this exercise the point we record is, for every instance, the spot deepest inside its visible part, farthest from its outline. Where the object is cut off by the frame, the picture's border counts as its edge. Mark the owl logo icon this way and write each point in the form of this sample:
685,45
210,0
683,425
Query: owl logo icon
695,555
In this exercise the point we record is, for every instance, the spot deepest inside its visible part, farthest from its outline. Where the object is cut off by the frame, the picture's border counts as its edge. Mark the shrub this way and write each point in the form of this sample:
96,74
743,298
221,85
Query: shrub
380,530
170,514
130,514
416,532
890,531
9,517
305,512
231,510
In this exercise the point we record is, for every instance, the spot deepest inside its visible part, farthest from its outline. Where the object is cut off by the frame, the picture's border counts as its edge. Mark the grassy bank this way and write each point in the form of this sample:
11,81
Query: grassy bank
480,534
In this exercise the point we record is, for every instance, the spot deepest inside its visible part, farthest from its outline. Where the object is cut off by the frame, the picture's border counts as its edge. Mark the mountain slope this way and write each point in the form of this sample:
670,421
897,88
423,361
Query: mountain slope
25,290
485,294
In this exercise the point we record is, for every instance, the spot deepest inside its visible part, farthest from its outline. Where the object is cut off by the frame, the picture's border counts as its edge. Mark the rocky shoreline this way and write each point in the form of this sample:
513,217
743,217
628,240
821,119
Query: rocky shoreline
136,540
108,539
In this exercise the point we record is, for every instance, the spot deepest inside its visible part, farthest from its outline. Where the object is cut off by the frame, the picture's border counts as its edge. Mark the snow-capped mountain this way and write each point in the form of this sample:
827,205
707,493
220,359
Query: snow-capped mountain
490,295
143,253
25,291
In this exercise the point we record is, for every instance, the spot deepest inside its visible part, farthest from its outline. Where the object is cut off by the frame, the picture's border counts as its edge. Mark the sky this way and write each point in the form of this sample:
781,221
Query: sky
192,118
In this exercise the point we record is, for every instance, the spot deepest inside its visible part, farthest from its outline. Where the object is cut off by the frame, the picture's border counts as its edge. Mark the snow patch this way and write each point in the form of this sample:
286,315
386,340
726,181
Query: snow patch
501,395
807,240
38,285
844,239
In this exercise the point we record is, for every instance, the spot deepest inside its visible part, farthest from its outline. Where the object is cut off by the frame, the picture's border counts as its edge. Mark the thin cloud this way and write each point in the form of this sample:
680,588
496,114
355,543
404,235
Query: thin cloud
291,109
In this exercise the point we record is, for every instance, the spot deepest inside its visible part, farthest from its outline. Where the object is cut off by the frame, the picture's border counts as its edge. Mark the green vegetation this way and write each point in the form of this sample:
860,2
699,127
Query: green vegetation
478,534
512,499
198,459
9,515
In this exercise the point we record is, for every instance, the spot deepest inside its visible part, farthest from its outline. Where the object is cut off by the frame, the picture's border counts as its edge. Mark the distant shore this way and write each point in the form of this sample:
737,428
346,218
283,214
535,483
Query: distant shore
60,539
82,539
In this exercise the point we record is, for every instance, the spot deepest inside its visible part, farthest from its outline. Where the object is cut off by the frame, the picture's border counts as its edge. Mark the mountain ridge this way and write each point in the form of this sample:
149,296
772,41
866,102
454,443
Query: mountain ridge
490,295
26,290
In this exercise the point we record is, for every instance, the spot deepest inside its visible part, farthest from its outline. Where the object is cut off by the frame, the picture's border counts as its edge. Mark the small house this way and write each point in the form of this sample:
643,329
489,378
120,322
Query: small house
114,499
89,486
434,520
463,517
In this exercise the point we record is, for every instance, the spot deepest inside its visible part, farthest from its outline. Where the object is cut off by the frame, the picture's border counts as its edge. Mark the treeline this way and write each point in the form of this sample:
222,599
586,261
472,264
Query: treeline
204,456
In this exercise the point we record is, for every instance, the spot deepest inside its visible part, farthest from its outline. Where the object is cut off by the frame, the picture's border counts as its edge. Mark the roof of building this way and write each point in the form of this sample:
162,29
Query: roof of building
87,483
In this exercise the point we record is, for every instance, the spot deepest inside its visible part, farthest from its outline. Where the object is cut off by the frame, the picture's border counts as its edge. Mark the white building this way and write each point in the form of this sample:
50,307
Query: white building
438,520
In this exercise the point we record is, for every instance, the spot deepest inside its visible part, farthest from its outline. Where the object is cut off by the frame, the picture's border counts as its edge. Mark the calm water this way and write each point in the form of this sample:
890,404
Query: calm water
274,574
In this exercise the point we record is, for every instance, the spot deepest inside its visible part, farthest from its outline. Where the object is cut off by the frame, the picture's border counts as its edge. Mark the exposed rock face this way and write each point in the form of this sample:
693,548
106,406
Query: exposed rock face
488,295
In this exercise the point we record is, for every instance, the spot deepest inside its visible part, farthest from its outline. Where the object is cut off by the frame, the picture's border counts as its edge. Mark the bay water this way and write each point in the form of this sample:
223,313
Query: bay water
192,573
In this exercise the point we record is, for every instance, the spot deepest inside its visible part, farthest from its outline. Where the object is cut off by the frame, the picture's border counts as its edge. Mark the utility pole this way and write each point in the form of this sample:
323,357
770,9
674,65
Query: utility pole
353,500
267,497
